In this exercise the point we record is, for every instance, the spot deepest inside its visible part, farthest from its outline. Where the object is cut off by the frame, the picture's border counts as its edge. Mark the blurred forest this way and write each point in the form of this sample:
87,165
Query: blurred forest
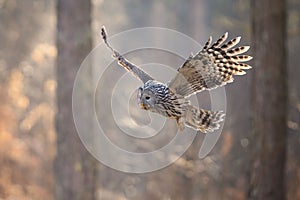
42,46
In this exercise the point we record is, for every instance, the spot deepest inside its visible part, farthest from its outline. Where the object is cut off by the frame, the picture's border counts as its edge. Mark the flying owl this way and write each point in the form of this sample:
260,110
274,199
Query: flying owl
212,67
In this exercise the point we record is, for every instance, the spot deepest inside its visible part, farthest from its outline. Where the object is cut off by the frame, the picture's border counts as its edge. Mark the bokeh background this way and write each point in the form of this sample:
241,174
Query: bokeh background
42,46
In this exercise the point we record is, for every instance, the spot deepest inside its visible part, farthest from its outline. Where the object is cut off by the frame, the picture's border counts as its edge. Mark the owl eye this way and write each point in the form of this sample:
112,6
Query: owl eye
147,97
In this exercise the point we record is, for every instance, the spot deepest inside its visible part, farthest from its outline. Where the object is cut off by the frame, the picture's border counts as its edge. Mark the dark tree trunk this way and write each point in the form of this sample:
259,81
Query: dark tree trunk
270,99
74,166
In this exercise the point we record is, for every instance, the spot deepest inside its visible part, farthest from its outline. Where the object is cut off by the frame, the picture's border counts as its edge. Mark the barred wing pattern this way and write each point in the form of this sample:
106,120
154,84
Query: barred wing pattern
212,67
137,72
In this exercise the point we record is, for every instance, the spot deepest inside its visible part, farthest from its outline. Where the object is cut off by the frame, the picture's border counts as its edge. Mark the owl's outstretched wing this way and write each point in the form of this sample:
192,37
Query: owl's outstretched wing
212,67
143,76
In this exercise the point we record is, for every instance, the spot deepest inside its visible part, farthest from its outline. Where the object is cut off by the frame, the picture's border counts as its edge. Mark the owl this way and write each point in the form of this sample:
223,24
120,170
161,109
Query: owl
211,67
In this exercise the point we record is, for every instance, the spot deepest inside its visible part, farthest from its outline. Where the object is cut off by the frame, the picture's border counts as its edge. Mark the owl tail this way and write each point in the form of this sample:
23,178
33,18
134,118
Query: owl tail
203,120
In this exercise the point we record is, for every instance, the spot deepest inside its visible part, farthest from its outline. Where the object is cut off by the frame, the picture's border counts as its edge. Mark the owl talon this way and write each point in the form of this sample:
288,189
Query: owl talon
180,124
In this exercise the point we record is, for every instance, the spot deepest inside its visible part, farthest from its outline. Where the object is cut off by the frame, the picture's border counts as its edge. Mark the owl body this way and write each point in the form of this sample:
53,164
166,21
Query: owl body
211,67
158,97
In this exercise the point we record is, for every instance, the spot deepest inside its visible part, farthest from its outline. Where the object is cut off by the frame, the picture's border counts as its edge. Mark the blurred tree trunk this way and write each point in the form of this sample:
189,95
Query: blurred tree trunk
74,166
270,99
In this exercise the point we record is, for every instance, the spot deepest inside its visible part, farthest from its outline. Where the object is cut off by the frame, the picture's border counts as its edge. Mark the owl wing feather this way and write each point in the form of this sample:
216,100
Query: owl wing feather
212,67
135,70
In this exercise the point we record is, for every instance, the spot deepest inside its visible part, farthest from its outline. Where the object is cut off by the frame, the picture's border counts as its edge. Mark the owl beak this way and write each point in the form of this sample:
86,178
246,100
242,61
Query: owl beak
143,106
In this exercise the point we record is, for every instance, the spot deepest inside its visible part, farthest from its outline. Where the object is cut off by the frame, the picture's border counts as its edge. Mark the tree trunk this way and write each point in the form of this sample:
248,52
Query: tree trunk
74,167
270,99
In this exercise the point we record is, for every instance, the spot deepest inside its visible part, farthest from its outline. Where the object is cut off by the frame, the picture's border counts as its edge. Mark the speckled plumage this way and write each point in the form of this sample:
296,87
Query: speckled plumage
210,68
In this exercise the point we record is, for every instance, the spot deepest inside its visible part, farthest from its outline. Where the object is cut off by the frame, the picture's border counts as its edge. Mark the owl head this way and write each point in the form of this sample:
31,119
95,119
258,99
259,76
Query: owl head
146,98
149,94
